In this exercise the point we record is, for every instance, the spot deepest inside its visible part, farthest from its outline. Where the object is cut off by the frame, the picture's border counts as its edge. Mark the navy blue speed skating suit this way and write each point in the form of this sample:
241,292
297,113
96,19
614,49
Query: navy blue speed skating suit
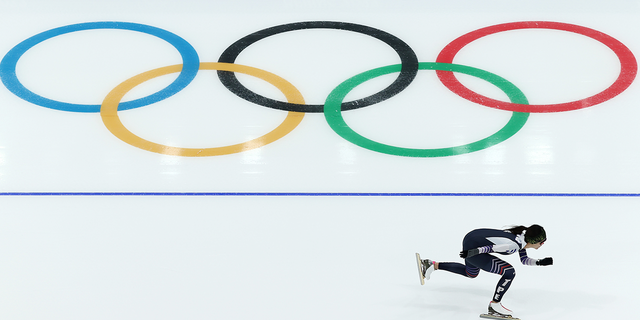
490,241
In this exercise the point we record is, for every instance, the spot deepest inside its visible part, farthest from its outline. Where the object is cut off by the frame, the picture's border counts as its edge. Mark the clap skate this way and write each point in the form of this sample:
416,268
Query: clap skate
498,311
425,268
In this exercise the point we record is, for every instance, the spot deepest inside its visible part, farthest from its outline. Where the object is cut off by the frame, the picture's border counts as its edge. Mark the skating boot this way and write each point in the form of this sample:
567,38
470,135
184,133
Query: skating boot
428,267
498,311
425,268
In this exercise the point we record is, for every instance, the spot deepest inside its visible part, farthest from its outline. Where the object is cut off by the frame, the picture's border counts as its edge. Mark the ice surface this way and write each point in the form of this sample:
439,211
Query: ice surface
318,257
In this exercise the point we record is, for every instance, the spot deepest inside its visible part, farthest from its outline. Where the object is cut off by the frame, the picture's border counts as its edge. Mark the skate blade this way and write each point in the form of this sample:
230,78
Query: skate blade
420,268
490,316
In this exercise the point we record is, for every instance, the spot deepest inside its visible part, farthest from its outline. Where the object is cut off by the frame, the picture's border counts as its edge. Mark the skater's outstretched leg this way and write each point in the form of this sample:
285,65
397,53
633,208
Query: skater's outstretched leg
468,270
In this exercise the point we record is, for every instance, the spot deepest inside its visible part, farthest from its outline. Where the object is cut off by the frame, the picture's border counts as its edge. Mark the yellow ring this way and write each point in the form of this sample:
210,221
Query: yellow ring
109,112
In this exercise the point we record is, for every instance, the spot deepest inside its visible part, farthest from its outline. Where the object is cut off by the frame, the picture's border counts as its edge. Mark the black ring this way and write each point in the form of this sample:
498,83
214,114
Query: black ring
407,57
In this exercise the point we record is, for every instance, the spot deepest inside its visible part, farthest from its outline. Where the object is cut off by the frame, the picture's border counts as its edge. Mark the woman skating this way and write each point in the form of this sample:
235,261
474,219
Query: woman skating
477,247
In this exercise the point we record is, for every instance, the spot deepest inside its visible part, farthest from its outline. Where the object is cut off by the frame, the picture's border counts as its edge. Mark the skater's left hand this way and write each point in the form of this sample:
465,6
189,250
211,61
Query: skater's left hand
468,253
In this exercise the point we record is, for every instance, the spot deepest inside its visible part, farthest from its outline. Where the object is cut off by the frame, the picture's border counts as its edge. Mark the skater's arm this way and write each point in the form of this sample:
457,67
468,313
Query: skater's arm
534,262
525,259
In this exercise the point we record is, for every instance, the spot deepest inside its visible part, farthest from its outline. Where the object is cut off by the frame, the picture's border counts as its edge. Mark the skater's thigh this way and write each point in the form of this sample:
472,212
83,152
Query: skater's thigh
483,261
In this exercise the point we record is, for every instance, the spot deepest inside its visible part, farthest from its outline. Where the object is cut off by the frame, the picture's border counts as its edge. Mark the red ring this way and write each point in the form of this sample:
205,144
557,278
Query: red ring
628,70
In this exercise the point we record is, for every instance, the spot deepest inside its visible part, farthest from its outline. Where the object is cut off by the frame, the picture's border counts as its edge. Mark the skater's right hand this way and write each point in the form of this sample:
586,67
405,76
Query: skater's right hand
545,262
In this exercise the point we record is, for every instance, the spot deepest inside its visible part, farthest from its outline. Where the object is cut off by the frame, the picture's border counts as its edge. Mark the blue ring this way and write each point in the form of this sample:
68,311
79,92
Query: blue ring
190,62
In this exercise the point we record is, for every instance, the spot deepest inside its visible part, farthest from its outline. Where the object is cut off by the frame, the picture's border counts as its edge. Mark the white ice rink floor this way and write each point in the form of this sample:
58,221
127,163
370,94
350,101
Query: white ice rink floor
191,201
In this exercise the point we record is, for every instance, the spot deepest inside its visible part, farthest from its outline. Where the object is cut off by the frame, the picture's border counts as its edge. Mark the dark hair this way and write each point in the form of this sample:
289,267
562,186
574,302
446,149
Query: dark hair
534,233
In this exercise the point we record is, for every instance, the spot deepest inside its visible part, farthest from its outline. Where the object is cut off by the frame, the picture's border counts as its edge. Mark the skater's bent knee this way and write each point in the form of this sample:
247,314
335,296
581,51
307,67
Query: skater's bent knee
509,273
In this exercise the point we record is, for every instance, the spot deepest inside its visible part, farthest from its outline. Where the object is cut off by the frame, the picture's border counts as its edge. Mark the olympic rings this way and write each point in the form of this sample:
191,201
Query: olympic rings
189,55
628,64
334,116
406,76
109,112
334,105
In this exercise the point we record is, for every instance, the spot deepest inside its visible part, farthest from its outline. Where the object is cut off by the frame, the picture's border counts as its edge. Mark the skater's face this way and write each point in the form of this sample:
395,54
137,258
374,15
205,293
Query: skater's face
535,245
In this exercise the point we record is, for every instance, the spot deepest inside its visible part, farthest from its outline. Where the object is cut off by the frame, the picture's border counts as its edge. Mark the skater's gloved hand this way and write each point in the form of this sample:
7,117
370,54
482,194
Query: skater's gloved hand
545,262
468,253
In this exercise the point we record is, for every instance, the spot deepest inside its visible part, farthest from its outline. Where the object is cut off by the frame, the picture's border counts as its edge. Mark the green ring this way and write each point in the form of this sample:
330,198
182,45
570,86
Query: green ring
333,112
